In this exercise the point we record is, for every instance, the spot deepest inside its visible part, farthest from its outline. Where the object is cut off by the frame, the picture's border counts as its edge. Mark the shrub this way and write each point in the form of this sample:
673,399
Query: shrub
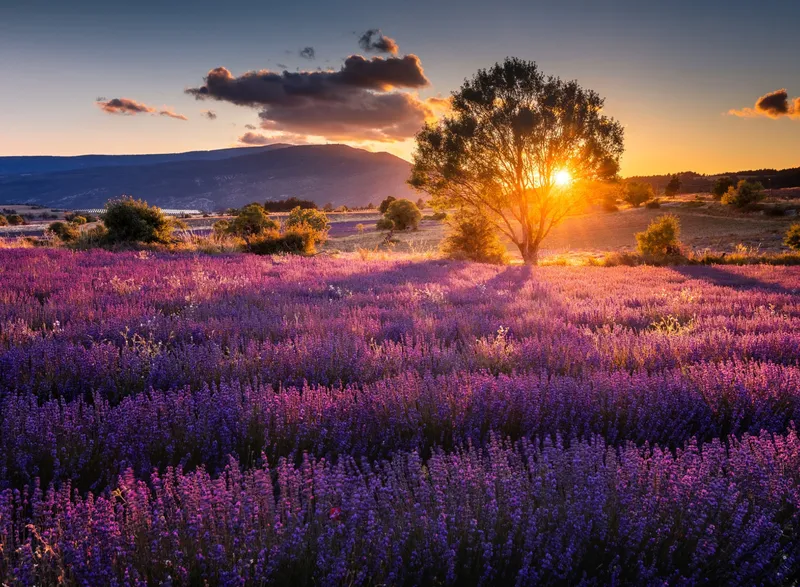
473,237
385,224
437,216
637,193
3,220
66,232
661,237
15,220
95,236
252,220
721,186
360,228
134,221
792,238
745,194
311,218
653,204
404,214
297,241
78,220
384,206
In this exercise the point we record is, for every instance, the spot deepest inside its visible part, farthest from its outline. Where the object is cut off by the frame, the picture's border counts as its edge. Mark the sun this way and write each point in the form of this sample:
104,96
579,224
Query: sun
563,177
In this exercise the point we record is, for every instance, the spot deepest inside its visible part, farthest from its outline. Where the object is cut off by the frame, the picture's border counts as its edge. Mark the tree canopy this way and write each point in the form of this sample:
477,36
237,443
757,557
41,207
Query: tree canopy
515,148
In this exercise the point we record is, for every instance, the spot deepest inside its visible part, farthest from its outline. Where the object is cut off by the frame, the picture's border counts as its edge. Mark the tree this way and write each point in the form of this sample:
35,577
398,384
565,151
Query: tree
744,194
384,205
473,237
661,237
129,220
515,145
673,186
328,207
252,220
314,221
721,185
403,214
792,238
637,193
15,220
66,232
421,204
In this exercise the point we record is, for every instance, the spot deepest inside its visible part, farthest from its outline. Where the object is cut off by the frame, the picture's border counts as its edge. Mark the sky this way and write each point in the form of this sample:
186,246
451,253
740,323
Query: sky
683,77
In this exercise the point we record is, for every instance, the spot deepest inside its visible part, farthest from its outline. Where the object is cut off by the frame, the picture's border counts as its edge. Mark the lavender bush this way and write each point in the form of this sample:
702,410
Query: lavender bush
174,419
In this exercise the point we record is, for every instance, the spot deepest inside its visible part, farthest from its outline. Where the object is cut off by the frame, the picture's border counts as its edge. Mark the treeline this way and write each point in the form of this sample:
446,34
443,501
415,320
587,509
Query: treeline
692,182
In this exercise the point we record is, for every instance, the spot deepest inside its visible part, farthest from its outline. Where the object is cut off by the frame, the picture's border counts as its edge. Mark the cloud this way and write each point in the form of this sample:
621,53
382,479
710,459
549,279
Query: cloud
373,41
209,114
773,105
250,126
128,107
252,138
367,99
307,53
124,106
172,114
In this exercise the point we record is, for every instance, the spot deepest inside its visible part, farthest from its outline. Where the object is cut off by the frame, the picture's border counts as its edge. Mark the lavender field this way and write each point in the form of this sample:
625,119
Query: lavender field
240,420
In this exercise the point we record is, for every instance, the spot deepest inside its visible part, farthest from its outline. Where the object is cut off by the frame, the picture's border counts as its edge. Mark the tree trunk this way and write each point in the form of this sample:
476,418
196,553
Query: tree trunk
530,254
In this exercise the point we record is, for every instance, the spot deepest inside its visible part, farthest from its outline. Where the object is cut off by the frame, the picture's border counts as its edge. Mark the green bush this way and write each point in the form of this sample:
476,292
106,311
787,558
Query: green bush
78,220
653,204
94,237
404,214
721,186
792,238
15,220
745,194
384,206
661,237
384,224
637,193
134,221
673,186
3,220
251,220
437,216
310,217
473,237
66,232
298,241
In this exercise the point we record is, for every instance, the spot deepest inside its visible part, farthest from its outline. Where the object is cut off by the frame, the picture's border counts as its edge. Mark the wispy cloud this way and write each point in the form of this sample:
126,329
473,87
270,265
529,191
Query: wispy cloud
129,107
209,114
307,53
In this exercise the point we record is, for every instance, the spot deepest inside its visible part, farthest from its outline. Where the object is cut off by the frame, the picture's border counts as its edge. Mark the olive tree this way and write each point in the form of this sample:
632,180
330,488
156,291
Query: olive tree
514,148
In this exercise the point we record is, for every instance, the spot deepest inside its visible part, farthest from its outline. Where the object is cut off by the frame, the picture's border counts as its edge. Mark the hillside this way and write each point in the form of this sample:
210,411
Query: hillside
323,173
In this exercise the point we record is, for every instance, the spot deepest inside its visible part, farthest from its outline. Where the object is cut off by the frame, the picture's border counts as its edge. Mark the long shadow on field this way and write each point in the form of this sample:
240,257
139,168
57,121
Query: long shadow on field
725,278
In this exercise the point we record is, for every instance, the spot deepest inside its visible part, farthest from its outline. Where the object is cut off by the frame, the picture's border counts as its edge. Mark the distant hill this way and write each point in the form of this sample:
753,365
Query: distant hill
36,164
208,180
692,182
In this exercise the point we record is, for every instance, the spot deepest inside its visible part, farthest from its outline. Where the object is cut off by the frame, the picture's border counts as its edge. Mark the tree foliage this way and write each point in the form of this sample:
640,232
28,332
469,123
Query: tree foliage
661,238
473,237
403,214
637,193
673,186
511,130
252,220
66,232
721,186
744,194
792,238
384,205
134,221
3,220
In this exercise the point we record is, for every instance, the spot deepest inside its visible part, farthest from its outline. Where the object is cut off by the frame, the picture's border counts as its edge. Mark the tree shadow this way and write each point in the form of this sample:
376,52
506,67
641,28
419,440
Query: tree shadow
717,275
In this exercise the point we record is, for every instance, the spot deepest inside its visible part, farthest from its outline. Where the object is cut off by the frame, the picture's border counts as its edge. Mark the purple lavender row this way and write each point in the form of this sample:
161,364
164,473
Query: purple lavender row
501,515
90,443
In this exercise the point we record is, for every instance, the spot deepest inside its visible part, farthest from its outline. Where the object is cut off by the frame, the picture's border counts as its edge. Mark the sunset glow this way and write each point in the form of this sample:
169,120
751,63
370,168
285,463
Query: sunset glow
563,178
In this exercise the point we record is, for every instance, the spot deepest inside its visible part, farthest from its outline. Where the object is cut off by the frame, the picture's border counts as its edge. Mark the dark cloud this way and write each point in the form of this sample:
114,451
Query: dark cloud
282,65
268,88
252,138
773,105
307,53
210,114
359,101
250,127
124,106
128,107
373,41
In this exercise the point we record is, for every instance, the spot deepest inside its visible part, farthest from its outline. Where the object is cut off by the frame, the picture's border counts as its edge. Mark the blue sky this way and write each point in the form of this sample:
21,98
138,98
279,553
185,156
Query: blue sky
670,71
